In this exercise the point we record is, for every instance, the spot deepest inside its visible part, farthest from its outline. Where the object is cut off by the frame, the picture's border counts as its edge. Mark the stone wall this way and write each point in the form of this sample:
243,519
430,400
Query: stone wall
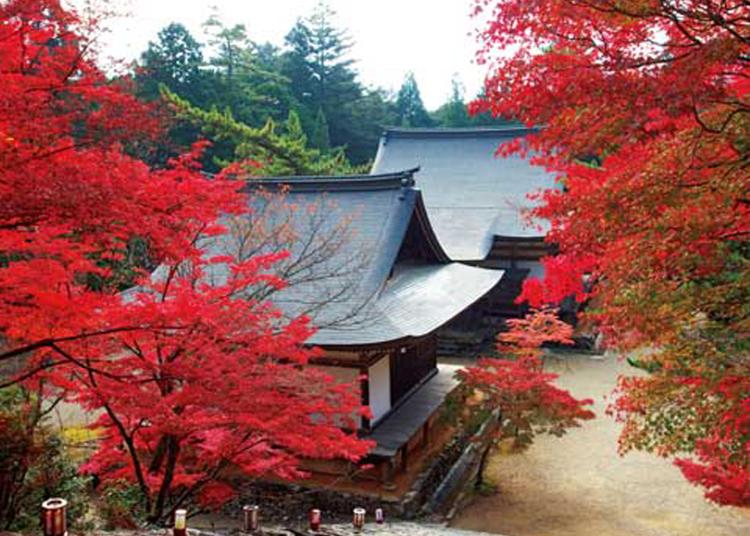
432,491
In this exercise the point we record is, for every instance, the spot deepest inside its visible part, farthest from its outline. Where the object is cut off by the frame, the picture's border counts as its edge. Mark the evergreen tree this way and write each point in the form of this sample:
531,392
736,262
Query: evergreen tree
174,60
321,74
454,113
283,152
410,108
486,119
231,45
293,128
321,138
370,116
245,76
314,77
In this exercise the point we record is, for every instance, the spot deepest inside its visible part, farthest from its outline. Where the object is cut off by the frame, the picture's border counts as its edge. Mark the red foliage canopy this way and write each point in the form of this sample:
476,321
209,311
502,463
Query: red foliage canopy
193,382
519,388
646,121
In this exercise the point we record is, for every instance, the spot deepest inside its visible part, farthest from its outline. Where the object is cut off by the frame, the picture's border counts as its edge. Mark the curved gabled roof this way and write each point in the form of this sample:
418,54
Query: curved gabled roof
471,195
358,290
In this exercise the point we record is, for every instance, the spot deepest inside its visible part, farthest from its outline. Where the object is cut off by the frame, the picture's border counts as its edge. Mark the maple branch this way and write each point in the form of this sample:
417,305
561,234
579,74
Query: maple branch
41,156
47,343
29,374
725,122
130,445
211,475
87,366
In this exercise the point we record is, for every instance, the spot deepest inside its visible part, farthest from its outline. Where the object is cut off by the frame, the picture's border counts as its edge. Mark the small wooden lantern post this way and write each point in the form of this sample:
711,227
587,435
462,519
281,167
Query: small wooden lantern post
54,517
358,519
315,520
250,518
180,523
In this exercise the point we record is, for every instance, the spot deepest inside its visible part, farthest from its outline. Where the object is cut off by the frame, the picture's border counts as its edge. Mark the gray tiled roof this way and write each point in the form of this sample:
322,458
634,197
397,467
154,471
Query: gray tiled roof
470,194
356,293
417,300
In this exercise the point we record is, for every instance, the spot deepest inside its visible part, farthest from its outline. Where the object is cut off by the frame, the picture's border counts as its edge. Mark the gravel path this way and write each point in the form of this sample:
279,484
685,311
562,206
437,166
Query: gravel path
577,485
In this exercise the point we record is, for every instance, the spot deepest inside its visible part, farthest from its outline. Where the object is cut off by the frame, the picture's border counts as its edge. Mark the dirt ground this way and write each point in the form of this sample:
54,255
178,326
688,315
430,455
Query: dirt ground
577,485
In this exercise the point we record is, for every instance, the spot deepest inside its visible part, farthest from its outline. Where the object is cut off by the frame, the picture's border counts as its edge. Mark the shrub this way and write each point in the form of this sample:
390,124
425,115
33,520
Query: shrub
35,465
120,505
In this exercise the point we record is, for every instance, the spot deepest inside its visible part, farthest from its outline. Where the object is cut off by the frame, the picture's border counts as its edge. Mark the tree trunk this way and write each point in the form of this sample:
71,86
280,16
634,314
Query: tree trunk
479,482
172,452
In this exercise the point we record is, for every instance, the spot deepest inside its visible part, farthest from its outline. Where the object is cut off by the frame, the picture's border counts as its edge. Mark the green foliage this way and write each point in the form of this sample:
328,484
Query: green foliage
121,506
231,45
321,138
454,112
323,80
36,465
283,152
313,75
409,105
244,76
174,60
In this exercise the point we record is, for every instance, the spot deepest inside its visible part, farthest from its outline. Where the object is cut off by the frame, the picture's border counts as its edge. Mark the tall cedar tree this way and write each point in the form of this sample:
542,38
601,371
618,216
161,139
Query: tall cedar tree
174,60
191,383
454,113
323,79
242,79
321,138
409,106
646,107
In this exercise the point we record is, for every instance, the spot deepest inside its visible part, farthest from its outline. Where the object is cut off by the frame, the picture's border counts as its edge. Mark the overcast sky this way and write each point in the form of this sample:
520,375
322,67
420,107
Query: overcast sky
433,38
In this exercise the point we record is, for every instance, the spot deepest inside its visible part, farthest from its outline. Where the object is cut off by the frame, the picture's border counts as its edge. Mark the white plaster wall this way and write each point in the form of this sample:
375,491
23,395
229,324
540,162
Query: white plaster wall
380,388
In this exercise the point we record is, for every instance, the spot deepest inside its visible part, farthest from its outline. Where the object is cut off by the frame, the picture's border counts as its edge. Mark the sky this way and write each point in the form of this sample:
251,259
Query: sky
432,38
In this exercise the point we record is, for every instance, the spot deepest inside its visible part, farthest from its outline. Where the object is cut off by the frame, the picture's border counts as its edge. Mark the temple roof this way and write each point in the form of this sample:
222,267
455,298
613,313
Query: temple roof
364,262
471,195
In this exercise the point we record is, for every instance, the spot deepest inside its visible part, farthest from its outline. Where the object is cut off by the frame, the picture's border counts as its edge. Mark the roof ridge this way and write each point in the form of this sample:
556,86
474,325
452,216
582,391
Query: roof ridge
404,132
360,182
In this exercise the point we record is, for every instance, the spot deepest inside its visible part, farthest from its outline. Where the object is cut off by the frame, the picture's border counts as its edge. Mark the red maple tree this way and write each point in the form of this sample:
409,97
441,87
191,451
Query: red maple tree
194,383
645,113
518,386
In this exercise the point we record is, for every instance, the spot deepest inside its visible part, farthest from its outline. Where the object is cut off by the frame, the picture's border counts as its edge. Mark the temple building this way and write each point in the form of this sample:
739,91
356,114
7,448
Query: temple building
476,200
477,203
385,266
369,270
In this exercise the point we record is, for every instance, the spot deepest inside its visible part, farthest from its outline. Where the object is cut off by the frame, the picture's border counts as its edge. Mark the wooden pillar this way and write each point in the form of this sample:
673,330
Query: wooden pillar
364,385
388,474
393,365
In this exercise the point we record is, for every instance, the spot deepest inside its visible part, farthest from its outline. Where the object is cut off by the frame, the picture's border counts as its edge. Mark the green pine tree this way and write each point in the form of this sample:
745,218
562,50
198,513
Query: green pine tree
409,106
282,153
320,137
454,113
174,60
323,78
